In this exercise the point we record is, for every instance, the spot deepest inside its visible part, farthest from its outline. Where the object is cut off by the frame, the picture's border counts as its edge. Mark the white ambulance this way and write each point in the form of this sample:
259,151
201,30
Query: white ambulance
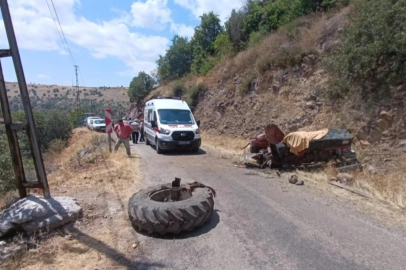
169,124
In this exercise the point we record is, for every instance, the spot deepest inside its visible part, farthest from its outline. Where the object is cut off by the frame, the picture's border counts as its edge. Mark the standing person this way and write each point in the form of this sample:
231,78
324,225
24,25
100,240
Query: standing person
142,130
136,131
123,131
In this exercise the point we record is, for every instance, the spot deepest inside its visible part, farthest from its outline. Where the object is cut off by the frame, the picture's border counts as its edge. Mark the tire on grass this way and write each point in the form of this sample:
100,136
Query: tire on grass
170,217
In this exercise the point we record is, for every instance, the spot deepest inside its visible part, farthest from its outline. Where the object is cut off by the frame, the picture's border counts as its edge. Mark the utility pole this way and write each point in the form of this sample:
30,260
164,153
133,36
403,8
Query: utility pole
11,128
77,88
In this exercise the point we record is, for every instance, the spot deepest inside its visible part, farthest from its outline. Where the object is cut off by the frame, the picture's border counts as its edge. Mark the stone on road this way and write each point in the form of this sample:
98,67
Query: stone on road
257,225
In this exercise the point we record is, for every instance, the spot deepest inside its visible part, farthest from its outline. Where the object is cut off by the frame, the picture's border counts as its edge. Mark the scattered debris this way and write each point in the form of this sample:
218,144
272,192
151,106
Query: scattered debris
364,143
402,143
345,178
33,214
363,194
370,168
300,183
293,179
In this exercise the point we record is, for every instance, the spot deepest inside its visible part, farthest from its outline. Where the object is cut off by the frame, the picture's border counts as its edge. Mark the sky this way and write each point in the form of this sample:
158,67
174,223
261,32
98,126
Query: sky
110,40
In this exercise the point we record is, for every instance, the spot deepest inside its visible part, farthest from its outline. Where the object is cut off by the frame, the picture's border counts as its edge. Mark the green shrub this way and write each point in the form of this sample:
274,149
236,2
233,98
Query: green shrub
192,94
178,89
7,178
208,65
222,45
246,84
53,129
256,37
50,125
288,56
372,55
56,146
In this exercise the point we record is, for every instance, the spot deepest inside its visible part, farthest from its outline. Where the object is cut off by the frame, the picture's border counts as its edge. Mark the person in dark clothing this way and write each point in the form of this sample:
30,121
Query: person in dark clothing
136,131
142,131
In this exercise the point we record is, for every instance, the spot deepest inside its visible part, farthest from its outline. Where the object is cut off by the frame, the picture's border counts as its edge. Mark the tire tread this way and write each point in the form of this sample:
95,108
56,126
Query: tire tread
186,216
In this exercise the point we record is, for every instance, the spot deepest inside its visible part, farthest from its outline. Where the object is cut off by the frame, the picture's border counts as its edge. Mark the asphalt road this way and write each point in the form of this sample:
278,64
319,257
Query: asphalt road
265,223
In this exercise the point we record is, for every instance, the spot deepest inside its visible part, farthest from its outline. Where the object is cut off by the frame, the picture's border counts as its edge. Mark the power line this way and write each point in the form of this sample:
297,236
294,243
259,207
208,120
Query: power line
57,29
63,34
80,73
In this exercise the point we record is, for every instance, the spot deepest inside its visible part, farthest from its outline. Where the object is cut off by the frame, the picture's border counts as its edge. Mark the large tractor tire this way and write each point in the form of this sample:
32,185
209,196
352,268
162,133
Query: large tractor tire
150,211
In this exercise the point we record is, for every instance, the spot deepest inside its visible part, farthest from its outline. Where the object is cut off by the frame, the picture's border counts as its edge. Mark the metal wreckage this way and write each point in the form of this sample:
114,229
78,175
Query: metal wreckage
274,149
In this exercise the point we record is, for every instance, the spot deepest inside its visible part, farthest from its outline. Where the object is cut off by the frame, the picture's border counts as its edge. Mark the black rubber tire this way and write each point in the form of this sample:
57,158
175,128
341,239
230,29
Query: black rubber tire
146,140
195,149
170,217
157,148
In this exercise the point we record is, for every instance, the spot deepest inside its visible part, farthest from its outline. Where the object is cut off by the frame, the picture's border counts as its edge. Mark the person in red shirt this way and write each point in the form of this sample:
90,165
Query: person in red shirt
123,132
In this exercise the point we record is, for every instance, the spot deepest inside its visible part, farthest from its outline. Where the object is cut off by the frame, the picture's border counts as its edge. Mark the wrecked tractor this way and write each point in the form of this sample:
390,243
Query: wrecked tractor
274,149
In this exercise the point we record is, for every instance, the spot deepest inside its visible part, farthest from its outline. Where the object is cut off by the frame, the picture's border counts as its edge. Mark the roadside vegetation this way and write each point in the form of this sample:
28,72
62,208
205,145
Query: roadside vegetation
56,116
53,128
372,55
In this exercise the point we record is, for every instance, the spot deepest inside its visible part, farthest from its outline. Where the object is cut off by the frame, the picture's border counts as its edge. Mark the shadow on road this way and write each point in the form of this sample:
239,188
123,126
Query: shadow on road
180,152
207,227
184,152
110,252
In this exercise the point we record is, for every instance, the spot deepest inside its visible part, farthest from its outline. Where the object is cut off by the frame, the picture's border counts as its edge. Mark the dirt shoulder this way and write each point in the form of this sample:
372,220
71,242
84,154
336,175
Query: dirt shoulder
102,183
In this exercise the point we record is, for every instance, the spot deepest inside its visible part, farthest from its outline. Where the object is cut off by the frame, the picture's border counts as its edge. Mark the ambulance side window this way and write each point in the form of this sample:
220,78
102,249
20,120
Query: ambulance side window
149,115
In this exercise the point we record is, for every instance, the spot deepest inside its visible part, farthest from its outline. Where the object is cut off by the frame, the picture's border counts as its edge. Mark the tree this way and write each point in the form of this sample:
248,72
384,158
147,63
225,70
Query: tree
177,60
222,45
140,87
199,58
234,29
207,32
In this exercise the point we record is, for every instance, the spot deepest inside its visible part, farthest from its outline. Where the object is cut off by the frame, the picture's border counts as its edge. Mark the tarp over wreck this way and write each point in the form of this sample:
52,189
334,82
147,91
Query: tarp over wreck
300,140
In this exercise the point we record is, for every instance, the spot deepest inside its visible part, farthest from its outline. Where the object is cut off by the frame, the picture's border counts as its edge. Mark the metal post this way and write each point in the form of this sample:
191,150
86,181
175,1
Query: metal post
109,125
12,138
15,54
77,88
109,139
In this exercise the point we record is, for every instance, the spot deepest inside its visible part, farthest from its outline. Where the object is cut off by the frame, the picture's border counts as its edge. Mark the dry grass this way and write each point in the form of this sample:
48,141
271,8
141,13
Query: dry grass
102,239
231,143
227,146
389,188
287,46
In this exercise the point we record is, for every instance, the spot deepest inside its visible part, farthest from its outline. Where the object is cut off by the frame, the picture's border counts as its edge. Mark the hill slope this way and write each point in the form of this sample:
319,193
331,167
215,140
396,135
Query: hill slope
118,94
